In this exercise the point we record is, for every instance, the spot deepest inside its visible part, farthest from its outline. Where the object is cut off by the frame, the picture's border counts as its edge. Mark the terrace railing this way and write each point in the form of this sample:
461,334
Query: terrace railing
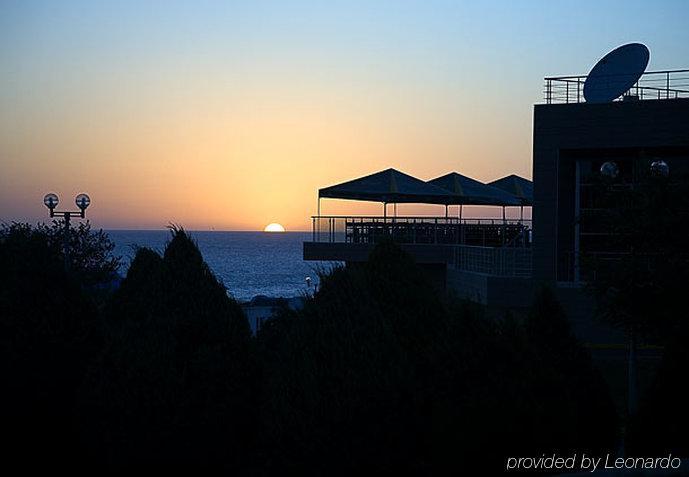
497,261
422,230
669,84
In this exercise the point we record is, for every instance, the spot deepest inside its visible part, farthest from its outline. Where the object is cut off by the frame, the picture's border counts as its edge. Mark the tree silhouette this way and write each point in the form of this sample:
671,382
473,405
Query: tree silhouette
347,382
174,387
581,399
645,294
378,373
49,331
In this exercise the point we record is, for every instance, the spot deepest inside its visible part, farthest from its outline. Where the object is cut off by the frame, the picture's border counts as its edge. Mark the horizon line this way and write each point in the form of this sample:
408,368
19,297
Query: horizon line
199,230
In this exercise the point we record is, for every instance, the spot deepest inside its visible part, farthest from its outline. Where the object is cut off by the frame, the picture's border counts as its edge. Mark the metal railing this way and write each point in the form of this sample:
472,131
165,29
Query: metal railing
497,261
422,230
669,84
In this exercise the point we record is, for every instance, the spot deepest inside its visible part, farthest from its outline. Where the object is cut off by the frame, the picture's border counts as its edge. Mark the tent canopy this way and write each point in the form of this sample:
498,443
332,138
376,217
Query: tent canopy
388,186
467,191
519,187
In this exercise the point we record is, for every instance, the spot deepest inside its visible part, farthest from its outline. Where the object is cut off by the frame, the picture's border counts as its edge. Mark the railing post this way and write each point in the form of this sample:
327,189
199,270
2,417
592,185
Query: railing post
667,85
549,91
313,229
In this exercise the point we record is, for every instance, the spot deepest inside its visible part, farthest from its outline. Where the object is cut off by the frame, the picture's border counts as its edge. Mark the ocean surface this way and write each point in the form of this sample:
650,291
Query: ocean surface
248,263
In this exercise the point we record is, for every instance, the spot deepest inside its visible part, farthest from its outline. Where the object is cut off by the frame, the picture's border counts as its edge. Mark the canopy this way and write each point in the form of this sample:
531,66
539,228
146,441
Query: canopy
467,191
388,186
519,187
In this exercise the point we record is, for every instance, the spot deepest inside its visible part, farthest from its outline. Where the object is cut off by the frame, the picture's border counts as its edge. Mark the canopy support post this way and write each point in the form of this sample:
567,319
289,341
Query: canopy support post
318,220
394,208
521,213
503,214
461,206
385,211
446,206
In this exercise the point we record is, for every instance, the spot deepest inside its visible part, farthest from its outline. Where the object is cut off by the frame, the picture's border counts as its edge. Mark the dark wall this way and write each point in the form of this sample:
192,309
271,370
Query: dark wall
562,129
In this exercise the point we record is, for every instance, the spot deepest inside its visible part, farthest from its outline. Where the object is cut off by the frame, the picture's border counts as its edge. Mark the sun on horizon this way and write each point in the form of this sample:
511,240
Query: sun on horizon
274,227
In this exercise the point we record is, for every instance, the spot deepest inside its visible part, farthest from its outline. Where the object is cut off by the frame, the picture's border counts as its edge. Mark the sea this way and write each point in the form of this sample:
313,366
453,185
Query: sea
249,264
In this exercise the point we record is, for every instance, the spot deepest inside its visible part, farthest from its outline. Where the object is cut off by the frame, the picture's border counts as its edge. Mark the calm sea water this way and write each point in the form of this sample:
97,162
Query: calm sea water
248,263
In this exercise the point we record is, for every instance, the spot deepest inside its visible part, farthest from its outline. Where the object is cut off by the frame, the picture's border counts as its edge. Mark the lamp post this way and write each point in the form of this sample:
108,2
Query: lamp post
82,201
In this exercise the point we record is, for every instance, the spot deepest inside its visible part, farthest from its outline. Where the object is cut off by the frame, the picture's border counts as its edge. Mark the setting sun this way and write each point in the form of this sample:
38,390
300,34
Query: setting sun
274,228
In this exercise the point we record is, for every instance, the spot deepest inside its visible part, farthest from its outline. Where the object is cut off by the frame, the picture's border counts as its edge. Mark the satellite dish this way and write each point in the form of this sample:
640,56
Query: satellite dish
616,72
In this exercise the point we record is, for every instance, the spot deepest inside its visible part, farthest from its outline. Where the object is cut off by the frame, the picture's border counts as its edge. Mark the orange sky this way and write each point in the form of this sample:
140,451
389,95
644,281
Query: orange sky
199,154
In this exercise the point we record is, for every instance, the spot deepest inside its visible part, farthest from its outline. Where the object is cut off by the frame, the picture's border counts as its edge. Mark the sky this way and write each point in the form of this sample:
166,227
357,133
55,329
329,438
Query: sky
230,115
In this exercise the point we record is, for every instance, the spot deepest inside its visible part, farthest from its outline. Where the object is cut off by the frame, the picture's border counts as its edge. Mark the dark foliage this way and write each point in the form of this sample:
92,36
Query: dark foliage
587,419
91,261
377,373
513,389
645,293
174,388
660,426
644,289
347,382
48,333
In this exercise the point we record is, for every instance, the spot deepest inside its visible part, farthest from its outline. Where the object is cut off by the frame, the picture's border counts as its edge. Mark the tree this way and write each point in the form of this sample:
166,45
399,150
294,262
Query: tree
513,387
173,389
377,372
660,426
346,386
49,331
645,295
584,407
91,252
644,288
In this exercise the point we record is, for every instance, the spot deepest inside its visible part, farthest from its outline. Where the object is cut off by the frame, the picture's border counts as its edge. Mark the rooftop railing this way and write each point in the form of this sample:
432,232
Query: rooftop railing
422,230
669,84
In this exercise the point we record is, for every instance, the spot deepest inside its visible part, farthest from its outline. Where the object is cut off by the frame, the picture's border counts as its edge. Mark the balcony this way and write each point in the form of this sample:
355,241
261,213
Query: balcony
421,230
486,246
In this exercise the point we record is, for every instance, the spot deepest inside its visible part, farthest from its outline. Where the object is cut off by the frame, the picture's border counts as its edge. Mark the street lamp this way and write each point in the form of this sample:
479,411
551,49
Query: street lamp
82,201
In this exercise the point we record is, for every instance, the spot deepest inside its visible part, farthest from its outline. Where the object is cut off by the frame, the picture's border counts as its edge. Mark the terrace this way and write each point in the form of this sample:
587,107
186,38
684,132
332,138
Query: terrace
500,247
421,230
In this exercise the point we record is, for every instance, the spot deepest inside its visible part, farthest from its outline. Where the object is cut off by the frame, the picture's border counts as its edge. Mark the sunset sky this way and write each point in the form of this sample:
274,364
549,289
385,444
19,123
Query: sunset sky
230,115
